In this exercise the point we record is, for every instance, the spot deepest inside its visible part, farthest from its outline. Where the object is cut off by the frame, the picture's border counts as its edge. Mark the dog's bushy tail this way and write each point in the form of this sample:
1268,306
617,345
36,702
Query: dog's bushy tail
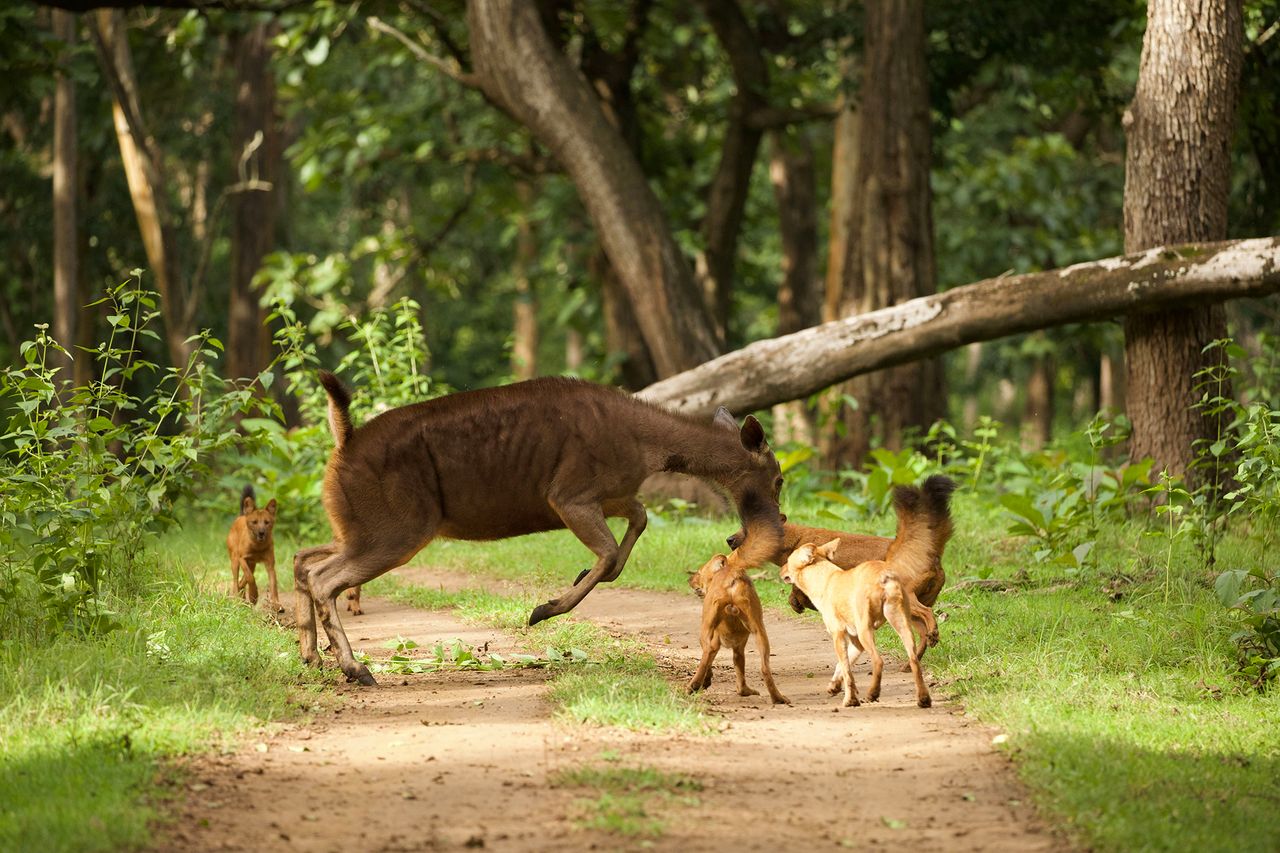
924,523
246,493
339,407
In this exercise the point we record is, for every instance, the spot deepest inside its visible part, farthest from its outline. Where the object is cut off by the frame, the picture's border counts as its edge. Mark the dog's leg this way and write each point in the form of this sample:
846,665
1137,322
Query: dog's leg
715,650
755,621
867,639
846,673
235,577
837,680
586,521
251,582
353,600
270,563
304,609
710,645
897,617
740,668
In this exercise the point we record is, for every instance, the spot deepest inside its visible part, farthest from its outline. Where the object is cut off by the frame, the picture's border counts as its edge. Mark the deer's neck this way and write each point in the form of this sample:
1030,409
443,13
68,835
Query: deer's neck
702,450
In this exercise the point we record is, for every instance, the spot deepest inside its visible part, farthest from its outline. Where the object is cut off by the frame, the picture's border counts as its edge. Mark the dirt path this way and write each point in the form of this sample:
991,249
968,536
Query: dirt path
444,761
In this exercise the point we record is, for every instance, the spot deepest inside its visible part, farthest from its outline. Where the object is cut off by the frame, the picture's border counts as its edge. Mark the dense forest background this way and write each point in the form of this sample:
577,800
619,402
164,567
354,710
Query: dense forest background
338,157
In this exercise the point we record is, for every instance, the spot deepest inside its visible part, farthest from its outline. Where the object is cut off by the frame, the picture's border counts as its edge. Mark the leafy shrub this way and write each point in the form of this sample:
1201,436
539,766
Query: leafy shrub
1255,595
87,474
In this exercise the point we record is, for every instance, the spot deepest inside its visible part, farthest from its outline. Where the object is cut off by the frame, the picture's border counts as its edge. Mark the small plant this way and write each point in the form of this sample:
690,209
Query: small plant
455,655
1255,595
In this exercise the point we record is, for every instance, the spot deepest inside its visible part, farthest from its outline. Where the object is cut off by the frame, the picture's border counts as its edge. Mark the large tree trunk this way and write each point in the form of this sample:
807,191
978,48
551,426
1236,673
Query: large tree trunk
727,198
524,349
520,69
66,243
794,366
890,245
1177,181
791,172
258,164
145,176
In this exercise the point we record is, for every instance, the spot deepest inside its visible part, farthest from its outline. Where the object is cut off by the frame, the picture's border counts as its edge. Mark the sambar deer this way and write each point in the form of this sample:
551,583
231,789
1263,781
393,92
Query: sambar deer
498,462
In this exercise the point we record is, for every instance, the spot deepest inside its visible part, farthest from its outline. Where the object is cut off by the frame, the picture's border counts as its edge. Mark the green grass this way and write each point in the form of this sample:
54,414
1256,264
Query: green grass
620,686
628,800
90,725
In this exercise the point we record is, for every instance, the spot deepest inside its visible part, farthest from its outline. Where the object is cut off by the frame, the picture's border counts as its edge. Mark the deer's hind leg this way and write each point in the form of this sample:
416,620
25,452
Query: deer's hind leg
586,521
304,606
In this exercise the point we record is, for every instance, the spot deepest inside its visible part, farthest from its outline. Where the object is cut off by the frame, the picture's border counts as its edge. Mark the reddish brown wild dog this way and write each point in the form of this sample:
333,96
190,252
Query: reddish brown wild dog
855,602
251,541
499,462
731,613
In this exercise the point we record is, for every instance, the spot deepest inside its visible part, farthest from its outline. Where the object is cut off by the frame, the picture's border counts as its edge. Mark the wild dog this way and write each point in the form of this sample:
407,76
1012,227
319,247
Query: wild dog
731,613
925,582
250,541
500,462
855,602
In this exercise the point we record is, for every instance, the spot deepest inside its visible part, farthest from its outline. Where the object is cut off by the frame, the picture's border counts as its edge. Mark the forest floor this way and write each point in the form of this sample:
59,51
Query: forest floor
479,759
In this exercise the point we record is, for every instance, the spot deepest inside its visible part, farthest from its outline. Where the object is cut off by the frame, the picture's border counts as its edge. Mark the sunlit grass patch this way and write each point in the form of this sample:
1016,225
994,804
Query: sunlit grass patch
90,724
629,799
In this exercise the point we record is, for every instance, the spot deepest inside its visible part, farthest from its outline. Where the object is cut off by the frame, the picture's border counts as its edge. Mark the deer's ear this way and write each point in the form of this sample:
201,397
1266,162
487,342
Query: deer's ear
783,516
752,435
724,418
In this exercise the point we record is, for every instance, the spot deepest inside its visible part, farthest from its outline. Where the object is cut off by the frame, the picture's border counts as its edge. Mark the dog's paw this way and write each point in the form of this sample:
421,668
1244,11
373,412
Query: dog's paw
779,699
694,686
873,697
747,691
851,702
835,687
924,702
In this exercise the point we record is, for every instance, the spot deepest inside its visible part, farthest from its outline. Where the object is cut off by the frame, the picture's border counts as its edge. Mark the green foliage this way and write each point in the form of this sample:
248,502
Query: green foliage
1256,595
630,799
456,656
89,474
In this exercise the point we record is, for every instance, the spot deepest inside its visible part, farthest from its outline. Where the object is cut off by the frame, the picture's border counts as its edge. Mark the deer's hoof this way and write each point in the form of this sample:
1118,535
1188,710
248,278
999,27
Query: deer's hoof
540,613
363,677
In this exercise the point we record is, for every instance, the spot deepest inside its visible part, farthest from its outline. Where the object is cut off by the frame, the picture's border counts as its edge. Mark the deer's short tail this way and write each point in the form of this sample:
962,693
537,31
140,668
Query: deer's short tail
339,407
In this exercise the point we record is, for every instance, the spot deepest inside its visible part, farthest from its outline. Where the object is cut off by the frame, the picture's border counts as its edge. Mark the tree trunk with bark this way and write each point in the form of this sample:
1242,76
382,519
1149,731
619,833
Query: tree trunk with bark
524,349
890,248
727,198
791,171
66,242
794,366
144,173
1177,182
520,69
258,169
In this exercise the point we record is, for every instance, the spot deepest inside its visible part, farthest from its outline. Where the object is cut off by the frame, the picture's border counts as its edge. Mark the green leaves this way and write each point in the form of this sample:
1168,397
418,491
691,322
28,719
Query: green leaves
455,655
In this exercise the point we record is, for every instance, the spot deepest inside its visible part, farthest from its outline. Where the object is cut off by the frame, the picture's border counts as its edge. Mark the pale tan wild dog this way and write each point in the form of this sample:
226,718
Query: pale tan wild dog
855,602
250,541
731,613
498,462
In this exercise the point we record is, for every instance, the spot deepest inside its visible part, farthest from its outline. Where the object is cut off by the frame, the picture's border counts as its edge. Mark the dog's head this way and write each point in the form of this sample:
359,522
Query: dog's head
701,579
806,555
259,522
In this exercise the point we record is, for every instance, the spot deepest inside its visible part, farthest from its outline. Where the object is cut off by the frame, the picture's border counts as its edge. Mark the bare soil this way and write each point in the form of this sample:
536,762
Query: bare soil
454,760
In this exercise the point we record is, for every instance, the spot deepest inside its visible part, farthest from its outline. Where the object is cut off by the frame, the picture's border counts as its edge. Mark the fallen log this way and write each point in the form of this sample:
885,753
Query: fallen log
794,366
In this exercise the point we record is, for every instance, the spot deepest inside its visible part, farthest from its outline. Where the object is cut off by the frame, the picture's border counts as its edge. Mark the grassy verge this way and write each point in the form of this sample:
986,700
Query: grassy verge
621,686
1114,684
89,724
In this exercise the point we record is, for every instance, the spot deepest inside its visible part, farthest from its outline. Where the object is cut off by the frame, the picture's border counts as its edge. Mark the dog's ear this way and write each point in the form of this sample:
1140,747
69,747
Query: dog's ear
247,505
718,562
752,435
783,516
828,551
723,418
801,556
271,506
